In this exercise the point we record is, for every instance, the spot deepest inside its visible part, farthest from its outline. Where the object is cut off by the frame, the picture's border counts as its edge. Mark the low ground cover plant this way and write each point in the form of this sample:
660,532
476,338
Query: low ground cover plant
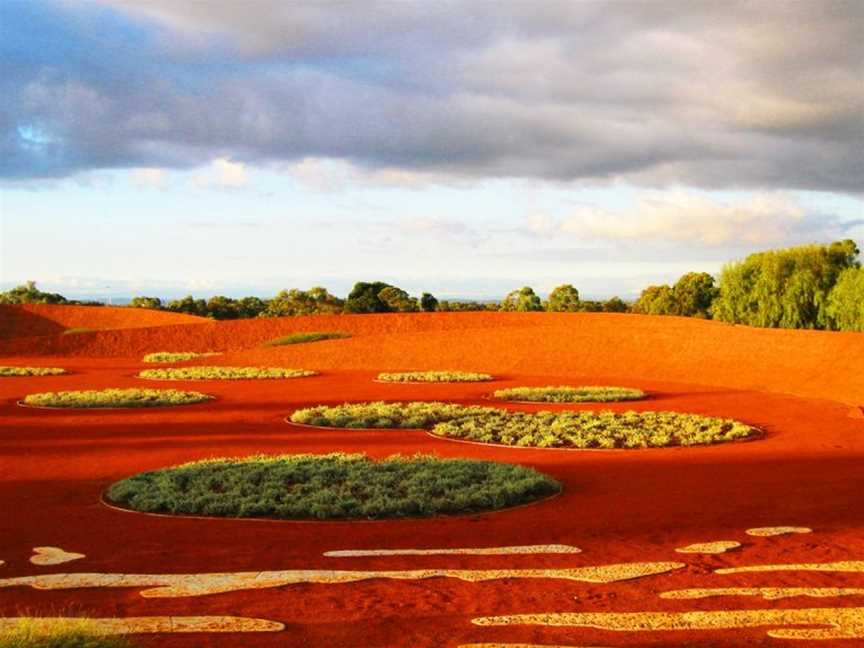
223,373
563,394
175,356
434,376
115,398
31,371
588,429
334,486
67,632
379,414
302,338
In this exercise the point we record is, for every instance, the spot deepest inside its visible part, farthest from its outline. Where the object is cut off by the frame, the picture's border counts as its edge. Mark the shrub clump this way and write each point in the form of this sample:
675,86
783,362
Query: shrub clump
175,356
385,415
564,394
116,398
334,486
31,371
223,373
588,429
434,376
68,632
302,338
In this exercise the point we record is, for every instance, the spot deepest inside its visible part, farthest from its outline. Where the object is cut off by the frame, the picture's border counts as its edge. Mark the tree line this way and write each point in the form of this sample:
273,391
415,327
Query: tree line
810,286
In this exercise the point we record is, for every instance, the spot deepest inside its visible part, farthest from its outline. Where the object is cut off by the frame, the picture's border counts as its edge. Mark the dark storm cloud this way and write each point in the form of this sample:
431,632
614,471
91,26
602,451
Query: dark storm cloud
755,95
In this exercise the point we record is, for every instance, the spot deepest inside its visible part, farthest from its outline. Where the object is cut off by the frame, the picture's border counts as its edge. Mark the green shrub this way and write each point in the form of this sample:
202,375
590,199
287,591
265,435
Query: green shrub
64,632
334,486
223,373
846,301
434,376
31,371
175,356
385,415
588,429
115,398
302,338
569,394
76,331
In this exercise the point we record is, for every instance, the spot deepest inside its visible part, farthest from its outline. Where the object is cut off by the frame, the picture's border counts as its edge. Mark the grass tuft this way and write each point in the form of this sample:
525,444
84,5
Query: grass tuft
31,371
67,632
223,373
595,429
562,394
302,338
115,398
334,486
176,356
434,376
385,415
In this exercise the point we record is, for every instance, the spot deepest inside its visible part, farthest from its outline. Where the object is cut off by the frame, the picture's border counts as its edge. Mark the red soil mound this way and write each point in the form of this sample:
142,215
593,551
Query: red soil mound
617,347
30,320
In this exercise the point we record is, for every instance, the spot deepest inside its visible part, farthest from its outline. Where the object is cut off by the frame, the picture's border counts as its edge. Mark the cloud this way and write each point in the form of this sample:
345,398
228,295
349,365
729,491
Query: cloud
709,95
149,177
223,173
693,219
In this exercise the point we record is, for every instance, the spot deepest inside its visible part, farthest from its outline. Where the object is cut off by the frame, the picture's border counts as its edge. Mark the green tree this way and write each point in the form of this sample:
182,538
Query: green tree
786,288
398,300
364,298
615,305
315,301
29,293
188,305
250,307
693,294
221,308
656,300
564,298
845,306
523,299
145,302
428,303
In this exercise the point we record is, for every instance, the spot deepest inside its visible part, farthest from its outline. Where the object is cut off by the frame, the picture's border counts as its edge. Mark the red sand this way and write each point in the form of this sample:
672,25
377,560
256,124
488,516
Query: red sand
618,506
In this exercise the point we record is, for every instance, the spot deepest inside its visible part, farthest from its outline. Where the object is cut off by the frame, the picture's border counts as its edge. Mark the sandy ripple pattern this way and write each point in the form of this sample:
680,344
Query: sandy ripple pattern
176,585
718,547
838,623
153,624
767,593
768,532
467,551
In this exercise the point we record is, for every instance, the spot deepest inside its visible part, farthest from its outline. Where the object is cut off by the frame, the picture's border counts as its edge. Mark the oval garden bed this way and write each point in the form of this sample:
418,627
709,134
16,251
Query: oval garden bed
413,415
563,394
176,356
433,377
589,429
223,373
334,486
31,371
114,398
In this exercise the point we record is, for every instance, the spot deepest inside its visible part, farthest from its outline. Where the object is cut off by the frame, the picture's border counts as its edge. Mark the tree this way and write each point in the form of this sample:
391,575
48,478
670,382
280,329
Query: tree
786,288
523,299
364,298
564,298
145,302
315,301
28,293
845,306
693,294
615,305
398,300
188,305
250,307
656,300
221,307
428,303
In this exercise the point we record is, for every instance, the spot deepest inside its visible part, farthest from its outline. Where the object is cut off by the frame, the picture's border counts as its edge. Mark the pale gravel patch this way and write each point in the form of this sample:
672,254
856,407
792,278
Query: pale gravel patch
767,593
842,623
175,585
848,566
153,624
767,532
481,551
47,556
718,547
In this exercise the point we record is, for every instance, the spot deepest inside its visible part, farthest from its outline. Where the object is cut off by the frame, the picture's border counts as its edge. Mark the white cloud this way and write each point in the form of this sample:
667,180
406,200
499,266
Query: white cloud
153,177
223,173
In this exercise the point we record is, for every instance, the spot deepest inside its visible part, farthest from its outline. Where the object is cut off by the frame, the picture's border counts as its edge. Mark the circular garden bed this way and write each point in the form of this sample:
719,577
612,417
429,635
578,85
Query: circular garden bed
413,415
223,373
31,371
114,398
562,394
433,377
176,356
334,486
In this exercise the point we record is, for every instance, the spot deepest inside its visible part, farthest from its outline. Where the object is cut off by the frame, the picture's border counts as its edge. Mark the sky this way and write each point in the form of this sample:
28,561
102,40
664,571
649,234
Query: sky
463,148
